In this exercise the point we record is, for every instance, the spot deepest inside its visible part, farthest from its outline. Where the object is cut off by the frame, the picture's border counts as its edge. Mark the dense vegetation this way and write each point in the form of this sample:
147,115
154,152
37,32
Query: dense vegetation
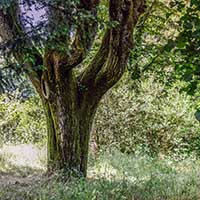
153,118
145,141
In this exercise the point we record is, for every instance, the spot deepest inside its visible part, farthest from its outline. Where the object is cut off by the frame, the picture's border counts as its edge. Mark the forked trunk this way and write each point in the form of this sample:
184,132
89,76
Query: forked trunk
69,124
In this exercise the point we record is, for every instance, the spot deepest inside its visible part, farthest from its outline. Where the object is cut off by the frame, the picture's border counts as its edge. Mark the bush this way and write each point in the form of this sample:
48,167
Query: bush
147,115
150,116
21,121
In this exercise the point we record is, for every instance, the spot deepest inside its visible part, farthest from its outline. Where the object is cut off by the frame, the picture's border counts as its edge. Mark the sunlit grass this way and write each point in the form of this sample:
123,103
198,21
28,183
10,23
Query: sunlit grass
111,176
20,156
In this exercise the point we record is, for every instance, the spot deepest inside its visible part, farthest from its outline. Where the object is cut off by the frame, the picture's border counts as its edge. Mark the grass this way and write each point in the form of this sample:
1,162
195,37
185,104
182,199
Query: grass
111,176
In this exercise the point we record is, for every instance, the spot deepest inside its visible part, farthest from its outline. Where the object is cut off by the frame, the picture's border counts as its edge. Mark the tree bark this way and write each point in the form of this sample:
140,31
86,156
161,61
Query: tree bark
69,116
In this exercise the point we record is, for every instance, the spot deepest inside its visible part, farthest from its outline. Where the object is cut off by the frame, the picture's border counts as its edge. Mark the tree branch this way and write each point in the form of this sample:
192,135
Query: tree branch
109,63
84,35
9,26
11,30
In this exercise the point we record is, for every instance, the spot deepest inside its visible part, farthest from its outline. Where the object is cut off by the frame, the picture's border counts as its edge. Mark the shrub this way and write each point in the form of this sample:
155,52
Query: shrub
153,117
21,121
147,115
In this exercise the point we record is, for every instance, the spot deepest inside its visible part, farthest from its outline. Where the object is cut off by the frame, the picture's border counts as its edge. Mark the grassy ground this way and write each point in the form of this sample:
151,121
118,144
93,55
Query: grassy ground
112,176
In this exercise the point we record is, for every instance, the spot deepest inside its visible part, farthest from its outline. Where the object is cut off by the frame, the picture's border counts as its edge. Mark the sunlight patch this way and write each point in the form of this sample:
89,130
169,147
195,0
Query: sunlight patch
25,155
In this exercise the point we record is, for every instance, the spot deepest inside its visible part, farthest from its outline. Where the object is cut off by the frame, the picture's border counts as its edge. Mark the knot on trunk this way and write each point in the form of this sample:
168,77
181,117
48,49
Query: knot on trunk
44,88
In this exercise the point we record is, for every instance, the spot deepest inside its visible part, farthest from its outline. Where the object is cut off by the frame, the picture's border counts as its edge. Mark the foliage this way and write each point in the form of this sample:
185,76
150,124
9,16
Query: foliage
145,114
12,81
156,28
150,115
21,121
169,42
186,46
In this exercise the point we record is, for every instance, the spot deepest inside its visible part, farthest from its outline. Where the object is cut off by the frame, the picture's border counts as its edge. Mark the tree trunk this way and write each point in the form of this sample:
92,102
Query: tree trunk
69,120
70,102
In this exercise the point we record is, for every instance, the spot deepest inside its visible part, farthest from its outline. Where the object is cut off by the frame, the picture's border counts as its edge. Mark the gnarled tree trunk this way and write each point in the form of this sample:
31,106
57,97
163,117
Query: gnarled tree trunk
71,101
69,122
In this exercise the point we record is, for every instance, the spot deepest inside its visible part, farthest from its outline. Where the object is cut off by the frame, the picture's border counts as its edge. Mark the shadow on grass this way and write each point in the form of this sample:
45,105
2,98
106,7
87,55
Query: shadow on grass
17,181
81,189
113,177
97,189
15,178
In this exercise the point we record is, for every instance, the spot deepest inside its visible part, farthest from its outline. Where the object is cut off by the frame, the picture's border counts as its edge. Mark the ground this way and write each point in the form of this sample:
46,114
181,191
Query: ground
111,176
21,165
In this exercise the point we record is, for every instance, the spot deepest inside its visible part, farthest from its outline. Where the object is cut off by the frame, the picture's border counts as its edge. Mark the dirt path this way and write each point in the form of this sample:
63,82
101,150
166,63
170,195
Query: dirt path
21,165
10,180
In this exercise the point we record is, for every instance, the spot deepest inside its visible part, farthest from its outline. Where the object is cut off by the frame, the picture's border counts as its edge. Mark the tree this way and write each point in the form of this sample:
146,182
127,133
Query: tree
70,99
187,45
167,44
